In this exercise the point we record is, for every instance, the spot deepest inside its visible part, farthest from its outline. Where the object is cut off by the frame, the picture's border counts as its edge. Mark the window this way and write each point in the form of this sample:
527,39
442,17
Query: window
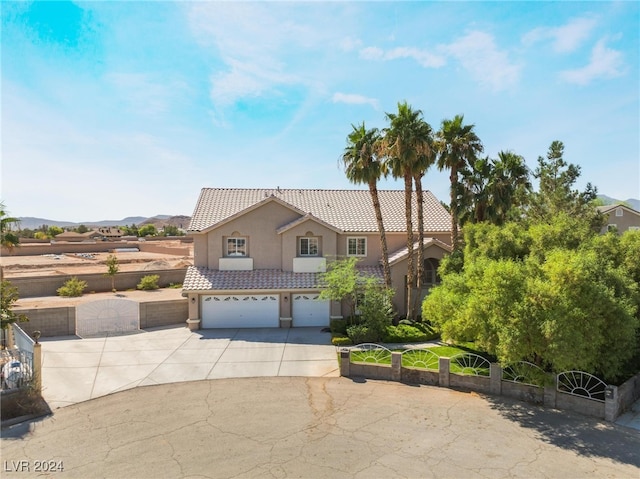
356,246
430,272
308,246
634,228
236,246
619,212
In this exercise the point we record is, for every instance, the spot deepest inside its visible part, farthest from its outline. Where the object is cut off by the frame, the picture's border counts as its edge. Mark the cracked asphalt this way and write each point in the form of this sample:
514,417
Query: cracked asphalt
279,427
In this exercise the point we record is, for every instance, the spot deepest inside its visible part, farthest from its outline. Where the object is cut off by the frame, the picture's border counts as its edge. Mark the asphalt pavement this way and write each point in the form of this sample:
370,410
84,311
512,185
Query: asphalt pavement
279,427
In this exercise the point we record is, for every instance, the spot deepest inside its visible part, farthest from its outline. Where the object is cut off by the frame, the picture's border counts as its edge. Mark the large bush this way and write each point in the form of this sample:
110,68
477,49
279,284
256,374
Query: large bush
72,288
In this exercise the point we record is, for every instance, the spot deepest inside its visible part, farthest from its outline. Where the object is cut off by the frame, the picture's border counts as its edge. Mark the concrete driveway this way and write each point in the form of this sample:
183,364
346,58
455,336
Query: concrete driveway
75,370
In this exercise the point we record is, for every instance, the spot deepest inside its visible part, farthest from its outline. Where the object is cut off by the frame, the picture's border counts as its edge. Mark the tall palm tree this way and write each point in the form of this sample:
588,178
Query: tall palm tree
405,141
362,165
458,146
423,163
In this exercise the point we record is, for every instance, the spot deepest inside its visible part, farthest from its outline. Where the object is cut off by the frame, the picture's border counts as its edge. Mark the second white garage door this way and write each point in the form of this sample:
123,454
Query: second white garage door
309,310
241,311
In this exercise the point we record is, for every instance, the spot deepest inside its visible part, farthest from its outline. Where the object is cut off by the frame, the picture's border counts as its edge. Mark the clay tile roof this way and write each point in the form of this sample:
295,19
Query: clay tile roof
205,279
402,253
347,210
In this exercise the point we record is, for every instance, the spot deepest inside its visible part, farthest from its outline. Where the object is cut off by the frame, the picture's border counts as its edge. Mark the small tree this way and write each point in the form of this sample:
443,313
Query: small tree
112,270
8,296
147,230
340,282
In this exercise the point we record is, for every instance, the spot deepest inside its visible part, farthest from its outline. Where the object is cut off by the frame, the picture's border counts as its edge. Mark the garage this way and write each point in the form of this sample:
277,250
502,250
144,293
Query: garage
241,311
310,310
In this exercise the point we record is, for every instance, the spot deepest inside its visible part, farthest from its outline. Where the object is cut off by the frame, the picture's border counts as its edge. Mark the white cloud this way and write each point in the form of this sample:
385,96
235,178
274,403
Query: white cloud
566,38
422,57
355,99
605,63
479,55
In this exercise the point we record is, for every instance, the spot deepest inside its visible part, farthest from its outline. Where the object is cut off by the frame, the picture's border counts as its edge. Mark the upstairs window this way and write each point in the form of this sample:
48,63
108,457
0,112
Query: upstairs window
619,212
236,246
356,246
309,247
430,272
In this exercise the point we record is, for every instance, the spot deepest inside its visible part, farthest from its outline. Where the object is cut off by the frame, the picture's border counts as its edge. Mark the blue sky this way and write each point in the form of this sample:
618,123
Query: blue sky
111,109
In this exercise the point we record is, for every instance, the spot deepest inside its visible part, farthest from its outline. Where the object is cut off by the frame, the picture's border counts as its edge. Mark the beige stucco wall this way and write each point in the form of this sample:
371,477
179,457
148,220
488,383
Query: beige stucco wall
327,244
623,223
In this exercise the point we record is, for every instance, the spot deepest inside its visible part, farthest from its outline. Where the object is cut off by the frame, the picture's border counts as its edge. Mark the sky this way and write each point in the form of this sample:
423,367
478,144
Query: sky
127,108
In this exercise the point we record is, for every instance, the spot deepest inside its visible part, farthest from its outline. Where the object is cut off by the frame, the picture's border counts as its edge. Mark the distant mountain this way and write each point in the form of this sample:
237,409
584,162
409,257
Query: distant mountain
29,222
634,203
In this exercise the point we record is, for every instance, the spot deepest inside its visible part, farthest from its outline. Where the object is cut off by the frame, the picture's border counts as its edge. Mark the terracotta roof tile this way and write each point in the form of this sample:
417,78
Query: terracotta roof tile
205,279
347,210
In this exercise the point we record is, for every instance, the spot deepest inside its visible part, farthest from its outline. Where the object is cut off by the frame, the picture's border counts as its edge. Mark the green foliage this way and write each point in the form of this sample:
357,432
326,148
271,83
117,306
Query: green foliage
54,231
375,308
338,326
340,282
8,238
147,230
72,288
81,229
360,333
554,294
129,230
112,270
8,297
171,230
405,333
148,283
341,340
175,285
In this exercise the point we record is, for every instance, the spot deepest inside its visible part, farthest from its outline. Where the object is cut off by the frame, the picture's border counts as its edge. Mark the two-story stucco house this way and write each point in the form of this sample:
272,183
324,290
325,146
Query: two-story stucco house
258,252
619,218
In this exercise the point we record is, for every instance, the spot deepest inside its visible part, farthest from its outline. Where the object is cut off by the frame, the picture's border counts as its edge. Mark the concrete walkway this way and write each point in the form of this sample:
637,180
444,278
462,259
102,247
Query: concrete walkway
76,370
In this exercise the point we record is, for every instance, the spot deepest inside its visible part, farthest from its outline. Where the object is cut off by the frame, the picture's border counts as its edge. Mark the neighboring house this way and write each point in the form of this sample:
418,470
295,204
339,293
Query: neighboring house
619,218
258,252
110,232
72,236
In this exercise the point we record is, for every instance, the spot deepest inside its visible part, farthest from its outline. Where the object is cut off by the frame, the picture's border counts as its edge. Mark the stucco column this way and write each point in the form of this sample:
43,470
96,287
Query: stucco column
443,372
193,321
611,403
496,378
37,367
345,362
396,366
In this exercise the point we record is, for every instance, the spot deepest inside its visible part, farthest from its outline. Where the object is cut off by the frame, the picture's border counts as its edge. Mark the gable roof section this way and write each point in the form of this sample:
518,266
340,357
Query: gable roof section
402,253
304,219
608,209
345,210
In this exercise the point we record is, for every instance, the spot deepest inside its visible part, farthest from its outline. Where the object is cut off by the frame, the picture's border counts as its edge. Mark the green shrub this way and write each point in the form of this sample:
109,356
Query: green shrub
338,326
72,288
406,333
149,282
341,340
361,334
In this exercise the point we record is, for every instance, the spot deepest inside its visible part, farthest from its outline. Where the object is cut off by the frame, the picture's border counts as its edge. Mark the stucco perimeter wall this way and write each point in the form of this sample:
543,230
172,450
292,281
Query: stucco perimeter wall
62,247
62,321
37,286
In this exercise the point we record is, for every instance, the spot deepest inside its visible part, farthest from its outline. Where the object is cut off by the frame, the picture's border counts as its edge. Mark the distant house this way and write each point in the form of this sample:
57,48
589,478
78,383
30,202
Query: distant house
73,237
619,218
258,252
110,232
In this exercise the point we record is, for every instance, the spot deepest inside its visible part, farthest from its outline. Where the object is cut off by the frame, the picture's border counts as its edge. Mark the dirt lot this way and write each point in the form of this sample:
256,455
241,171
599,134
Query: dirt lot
78,263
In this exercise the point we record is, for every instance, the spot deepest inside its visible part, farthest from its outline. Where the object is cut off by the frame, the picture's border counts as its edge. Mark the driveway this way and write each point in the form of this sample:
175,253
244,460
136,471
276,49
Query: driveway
75,370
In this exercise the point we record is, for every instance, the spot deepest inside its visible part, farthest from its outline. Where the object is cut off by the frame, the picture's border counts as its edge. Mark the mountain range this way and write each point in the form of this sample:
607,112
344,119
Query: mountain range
181,221
160,221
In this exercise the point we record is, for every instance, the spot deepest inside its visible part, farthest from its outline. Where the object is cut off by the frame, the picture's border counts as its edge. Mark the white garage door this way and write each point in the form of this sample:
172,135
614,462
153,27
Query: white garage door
241,311
309,310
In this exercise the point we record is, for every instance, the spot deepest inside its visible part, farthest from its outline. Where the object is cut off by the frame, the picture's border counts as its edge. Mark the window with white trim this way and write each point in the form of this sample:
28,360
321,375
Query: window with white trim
356,246
634,228
619,212
236,246
308,246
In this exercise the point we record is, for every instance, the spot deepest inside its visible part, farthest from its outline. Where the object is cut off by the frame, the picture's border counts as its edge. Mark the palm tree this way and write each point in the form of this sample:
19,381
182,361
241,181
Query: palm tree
405,141
509,183
362,165
423,163
458,146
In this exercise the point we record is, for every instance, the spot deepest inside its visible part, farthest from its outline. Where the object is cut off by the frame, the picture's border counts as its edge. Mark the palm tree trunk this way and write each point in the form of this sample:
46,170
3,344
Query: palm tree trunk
408,187
420,266
373,189
453,178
